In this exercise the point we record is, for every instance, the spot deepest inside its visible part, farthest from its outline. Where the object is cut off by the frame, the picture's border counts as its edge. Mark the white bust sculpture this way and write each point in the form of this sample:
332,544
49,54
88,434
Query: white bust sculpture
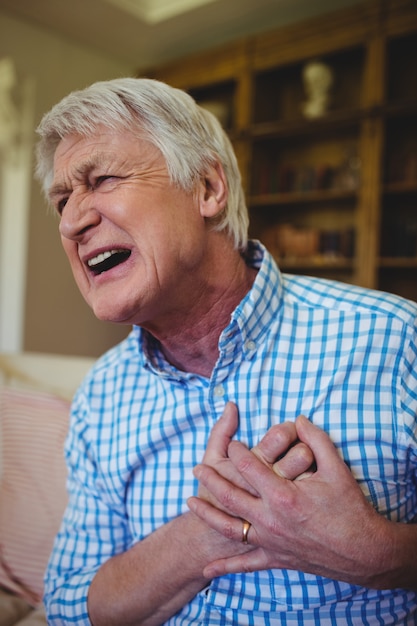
9,115
318,81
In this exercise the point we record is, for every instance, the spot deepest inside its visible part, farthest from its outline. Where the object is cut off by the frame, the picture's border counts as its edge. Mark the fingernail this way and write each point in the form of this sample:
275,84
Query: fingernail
209,572
191,504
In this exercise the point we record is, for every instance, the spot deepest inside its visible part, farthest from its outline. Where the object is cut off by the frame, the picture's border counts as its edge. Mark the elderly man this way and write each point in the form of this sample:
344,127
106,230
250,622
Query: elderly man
196,494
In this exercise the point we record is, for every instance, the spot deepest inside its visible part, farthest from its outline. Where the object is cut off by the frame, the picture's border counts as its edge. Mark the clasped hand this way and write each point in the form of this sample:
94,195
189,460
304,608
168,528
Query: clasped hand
305,508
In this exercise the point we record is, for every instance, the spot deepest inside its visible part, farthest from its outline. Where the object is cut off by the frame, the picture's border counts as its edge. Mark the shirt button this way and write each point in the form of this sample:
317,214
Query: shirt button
219,391
250,345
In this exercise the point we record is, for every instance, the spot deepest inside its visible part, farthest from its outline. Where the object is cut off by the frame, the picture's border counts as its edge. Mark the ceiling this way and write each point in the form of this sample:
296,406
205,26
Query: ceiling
144,33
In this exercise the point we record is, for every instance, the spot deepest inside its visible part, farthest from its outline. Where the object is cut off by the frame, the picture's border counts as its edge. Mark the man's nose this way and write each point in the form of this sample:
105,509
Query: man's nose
78,217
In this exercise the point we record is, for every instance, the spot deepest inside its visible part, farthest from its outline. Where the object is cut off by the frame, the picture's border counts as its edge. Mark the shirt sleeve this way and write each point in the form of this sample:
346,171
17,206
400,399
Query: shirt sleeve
409,397
93,528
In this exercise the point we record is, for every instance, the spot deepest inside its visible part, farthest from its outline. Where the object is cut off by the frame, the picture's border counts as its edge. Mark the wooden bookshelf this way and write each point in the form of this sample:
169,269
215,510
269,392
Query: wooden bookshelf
345,182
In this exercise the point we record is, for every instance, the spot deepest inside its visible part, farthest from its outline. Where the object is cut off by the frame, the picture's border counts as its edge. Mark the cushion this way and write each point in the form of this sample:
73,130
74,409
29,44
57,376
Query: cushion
32,486
12,608
37,617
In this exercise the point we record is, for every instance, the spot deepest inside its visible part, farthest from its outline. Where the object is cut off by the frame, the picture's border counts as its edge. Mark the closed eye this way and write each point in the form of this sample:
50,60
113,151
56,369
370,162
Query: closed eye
60,205
60,200
99,180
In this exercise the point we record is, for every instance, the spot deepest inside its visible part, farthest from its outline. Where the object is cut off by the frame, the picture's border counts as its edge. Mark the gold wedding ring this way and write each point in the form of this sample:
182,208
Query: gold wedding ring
245,530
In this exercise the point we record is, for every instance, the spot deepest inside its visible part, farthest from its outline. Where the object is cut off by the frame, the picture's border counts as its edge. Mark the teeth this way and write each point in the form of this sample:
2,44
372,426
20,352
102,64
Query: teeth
102,257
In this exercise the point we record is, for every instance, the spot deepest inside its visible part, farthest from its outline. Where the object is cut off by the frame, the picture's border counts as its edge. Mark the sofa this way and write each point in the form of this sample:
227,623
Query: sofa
35,396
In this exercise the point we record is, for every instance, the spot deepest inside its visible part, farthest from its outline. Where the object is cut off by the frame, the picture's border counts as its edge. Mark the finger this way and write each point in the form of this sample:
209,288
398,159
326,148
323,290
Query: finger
326,455
263,481
227,525
216,451
231,497
295,463
278,439
254,560
222,433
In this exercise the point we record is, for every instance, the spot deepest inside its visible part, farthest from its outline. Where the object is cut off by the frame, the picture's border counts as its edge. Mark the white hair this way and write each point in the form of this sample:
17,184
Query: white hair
189,137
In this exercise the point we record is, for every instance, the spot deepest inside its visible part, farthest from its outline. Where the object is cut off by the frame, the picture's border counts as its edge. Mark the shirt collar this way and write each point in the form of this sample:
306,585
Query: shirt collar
259,307
251,319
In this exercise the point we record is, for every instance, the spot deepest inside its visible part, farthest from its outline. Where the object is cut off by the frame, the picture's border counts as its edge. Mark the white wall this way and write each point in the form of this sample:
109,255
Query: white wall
15,181
40,308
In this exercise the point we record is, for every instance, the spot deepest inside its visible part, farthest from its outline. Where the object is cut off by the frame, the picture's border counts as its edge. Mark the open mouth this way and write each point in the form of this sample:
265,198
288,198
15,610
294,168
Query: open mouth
107,260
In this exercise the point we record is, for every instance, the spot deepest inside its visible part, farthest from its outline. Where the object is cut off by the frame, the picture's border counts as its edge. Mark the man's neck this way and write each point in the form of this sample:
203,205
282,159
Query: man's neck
192,345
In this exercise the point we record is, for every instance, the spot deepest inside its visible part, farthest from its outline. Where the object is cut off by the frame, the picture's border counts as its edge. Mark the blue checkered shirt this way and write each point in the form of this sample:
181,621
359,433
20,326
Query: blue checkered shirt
343,356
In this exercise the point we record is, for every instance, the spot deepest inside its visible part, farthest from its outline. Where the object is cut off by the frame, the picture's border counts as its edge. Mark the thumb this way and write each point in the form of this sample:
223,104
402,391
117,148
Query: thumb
222,433
228,421
319,442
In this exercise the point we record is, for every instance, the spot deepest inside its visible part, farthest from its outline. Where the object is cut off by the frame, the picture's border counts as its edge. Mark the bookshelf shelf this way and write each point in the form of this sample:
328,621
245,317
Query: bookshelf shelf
314,263
398,262
333,121
401,188
305,197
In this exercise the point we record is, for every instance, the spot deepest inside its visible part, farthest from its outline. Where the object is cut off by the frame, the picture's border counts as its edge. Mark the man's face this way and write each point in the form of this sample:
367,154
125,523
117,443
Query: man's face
132,238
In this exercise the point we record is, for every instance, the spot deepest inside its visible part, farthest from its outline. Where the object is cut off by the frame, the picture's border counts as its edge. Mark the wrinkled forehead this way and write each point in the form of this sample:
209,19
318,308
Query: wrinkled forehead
105,152
100,140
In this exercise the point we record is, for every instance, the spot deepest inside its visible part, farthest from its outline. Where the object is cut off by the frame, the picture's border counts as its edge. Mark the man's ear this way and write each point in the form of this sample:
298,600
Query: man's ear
213,192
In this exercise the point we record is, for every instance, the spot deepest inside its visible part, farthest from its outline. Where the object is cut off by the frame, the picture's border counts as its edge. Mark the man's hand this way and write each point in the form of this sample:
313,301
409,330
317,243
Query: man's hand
280,450
322,525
